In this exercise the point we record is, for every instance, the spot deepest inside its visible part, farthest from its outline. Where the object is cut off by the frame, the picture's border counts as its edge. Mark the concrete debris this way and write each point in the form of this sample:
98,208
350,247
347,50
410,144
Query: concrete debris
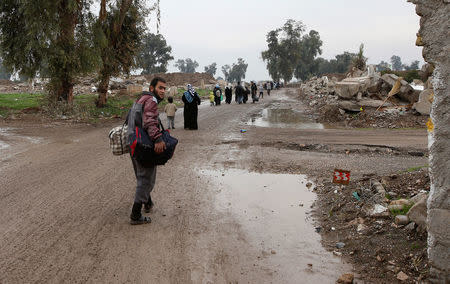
396,207
417,198
402,202
423,106
378,187
410,227
402,276
173,91
406,92
134,89
378,209
401,220
362,90
418,213
349,106
361,228
349,88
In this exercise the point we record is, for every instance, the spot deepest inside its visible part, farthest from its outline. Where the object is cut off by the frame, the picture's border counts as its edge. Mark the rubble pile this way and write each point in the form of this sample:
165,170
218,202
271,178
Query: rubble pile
117,85
379,222
380,95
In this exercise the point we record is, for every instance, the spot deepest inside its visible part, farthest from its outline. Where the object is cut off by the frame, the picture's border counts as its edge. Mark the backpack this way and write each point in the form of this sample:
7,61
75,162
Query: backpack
142,147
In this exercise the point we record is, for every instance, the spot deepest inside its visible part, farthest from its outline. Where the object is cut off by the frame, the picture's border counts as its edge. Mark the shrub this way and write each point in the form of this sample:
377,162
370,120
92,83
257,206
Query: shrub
409,76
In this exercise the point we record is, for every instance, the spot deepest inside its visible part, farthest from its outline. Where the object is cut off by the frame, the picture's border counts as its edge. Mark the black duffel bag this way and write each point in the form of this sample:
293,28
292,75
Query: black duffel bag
142,147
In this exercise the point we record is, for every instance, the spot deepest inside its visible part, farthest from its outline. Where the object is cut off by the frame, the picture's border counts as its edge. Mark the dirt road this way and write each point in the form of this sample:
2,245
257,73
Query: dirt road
65,200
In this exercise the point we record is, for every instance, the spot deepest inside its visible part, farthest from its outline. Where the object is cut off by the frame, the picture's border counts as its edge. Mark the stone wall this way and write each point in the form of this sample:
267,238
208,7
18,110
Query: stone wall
434,36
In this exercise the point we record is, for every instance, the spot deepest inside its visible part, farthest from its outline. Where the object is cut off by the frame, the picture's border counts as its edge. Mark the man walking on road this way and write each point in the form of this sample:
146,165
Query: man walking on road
146,176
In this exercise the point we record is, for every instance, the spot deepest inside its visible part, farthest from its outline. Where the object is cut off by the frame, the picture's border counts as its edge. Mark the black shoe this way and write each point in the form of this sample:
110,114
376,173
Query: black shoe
149,205
136,217
142,220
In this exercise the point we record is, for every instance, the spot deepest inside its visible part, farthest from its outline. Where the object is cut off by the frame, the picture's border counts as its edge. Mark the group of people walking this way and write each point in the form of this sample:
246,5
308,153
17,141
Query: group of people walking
191,100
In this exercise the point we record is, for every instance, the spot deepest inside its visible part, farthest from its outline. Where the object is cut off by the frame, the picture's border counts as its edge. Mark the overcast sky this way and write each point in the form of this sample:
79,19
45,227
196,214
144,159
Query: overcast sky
222,31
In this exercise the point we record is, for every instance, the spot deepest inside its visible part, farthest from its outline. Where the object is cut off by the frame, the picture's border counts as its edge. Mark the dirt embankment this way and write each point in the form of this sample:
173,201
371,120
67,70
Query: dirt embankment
87,85
182,79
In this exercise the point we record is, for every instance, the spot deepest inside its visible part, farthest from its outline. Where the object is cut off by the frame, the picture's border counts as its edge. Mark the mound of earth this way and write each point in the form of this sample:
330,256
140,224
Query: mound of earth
181,79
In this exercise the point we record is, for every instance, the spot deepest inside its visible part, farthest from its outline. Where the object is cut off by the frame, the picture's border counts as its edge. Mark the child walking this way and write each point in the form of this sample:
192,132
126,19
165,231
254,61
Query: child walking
211,98
170,110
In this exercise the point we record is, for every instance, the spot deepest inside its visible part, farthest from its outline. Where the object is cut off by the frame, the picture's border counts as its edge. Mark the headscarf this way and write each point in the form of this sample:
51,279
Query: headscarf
189,95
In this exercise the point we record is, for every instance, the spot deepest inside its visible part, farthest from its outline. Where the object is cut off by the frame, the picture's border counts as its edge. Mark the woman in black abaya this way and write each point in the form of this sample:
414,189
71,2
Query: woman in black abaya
191,102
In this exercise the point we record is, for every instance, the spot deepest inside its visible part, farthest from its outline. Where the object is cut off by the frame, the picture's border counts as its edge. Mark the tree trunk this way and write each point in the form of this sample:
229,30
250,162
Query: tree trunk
66,38
116,29
103,91
102,15
65,92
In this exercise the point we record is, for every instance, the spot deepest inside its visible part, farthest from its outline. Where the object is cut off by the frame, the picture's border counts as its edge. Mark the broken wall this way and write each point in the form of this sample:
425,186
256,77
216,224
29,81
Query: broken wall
434,36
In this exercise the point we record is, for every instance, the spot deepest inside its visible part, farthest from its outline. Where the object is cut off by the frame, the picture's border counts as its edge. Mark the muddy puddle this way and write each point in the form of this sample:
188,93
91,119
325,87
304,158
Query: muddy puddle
274,212
284,118
12,143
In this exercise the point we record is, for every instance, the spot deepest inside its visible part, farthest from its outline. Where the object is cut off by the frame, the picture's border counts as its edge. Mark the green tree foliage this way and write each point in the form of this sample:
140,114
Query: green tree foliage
4,74
121,26
359,61
396,62
382,66
211,69
344,62
310,48
284,50
51,35
154,55
236,72
341,64
291,52
226,70
186,65
414,66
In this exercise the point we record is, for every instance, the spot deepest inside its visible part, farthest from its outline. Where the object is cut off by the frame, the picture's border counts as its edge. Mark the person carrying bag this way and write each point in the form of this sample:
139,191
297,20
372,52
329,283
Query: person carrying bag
150,145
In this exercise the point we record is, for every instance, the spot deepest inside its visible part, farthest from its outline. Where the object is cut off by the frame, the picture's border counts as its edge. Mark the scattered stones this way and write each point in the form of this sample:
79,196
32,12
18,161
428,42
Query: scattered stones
349,106
346,279
402,276
401,220
378,209
337,253
410,227
173,91
340,245
392,194
361,228
418,213
396,207
378,187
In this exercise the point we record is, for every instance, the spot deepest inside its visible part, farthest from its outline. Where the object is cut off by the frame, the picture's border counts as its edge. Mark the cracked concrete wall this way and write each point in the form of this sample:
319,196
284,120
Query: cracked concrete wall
434,36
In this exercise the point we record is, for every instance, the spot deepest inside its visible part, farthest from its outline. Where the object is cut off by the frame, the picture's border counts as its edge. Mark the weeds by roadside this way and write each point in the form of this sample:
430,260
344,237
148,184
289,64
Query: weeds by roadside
83,108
